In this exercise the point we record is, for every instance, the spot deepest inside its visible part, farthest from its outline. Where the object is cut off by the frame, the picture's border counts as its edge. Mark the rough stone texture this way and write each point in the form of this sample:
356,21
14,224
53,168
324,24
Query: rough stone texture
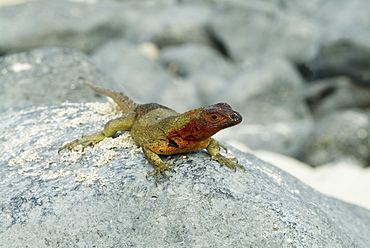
100,197
340,135
48,75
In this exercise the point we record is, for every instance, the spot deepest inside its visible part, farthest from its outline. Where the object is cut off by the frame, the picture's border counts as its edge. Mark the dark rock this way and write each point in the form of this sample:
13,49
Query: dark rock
330,95
266,90
61,23
48,75
190,59
343,54
254,28
100,197
340,136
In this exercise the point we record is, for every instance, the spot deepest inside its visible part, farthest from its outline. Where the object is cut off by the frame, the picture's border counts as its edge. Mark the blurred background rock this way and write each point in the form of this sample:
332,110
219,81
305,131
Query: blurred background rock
298,71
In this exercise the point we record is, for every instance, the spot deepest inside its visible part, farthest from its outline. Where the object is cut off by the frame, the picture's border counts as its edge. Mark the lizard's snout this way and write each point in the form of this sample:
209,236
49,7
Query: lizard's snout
236,117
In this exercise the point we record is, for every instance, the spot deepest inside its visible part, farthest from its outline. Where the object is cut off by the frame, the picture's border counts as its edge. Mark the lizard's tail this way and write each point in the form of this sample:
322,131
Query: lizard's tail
124,102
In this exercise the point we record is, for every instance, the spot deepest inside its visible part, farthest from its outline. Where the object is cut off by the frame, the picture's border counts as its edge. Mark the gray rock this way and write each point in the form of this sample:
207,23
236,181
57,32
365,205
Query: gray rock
208,87
343,53
261,28
61,23
329,95
340,136
266,90
288,138
331,14
100,197
48,75
191,59
173,25
143,78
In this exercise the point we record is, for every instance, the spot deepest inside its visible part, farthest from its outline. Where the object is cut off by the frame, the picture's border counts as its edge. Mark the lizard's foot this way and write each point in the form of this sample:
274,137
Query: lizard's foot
232,163
160,169
87,139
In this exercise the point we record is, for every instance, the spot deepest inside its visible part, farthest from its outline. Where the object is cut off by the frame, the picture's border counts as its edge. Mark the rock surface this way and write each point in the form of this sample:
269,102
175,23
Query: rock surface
335,94
142,77
61,23
339,136
48,75
100,197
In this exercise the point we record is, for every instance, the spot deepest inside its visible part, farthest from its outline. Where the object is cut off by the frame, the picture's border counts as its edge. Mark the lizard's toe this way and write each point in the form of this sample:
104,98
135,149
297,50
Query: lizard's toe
160,170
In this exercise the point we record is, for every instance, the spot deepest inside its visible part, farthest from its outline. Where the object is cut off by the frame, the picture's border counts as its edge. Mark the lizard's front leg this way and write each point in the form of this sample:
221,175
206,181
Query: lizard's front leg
123,123
149,149
213,149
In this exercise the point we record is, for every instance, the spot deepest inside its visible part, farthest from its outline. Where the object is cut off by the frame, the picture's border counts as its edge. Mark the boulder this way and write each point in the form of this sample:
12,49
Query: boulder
142,76
100,197
48,75
61,23
335,94
170,25
288,138
343,54
340,136
191,59
262,28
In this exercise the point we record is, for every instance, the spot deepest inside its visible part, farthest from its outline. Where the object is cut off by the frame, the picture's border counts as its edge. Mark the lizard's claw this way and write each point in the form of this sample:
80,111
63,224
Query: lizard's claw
232,163
160,169
87,139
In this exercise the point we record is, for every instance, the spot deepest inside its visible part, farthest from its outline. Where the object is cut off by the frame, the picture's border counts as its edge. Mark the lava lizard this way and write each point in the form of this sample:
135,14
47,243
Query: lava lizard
159,130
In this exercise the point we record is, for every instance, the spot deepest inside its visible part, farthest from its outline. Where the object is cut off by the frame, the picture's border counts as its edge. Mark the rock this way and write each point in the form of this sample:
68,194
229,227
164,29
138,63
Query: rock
329,95
171,25
254,29
343,53
100,197
288,138
191,59
48,75
332,16
61,23
266,90
208,87
339,136
345,180
144,79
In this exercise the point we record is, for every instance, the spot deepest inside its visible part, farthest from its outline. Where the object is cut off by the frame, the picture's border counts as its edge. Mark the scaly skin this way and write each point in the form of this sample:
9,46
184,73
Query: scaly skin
159,130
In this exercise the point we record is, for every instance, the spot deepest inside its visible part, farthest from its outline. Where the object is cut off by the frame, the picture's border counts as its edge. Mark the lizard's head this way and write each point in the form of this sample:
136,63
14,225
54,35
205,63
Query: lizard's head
204,122
217,117
212,119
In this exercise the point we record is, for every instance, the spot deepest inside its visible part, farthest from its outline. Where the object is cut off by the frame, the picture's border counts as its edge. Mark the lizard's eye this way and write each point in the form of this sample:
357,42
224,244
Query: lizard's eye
214,117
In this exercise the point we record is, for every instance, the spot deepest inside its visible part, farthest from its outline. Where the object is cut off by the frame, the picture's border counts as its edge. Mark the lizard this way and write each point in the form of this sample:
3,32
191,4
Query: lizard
159,130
